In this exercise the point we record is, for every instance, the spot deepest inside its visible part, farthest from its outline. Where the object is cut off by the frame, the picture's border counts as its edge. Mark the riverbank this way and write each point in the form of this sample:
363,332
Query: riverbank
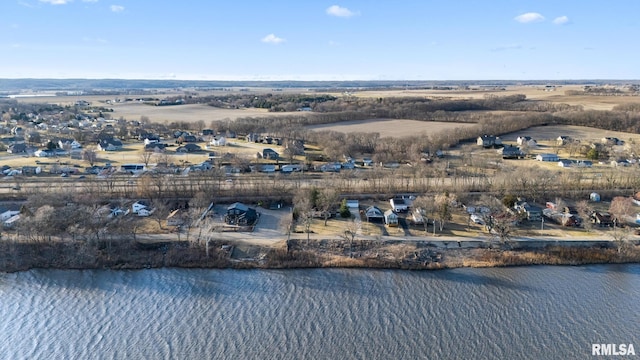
328,253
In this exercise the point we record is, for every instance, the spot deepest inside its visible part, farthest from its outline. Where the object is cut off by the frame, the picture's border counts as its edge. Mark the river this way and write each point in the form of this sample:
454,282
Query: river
540,312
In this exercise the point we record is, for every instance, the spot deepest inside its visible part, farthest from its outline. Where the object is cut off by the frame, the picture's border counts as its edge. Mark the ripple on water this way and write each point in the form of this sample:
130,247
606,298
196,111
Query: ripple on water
528,312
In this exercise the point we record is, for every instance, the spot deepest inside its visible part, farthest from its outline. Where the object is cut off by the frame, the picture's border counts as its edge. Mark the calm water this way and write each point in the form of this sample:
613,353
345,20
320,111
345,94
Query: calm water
515,313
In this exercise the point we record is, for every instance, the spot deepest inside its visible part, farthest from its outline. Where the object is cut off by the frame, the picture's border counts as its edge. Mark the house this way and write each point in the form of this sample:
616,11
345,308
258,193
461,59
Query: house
253,137
331,167
488,141
69,144
139,205
547,157
109,145
208,132
49,153
562,140
17,148
398,204
374,213
151,139
11,222
219,141
189,138
565,163
522,140
240,214
189,148
418,216
611,141
622,162
270,154
155,147
390,218
290,168
602,219
7,213
584,163
353,205
511,152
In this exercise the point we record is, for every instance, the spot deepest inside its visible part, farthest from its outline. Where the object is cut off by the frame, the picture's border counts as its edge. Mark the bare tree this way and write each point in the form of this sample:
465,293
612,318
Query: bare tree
304,210
351,230
444,207
327,201
584,211
497,220
90,155
621,208
145,157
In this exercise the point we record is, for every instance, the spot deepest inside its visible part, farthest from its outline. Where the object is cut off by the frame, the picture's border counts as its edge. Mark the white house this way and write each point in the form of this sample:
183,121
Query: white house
218,141
399,204
547,157
7,214
69,144
565,163
137,206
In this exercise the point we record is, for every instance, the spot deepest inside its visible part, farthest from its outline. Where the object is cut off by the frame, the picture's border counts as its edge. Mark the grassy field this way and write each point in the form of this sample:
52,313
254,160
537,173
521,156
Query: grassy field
588,102
188,113
390,127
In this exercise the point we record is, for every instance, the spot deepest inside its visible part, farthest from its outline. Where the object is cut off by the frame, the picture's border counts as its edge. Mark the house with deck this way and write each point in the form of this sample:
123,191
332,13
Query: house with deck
240,214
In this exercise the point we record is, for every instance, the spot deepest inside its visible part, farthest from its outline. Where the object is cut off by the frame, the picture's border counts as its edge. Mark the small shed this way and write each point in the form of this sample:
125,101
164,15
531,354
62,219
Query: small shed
594,196
390,218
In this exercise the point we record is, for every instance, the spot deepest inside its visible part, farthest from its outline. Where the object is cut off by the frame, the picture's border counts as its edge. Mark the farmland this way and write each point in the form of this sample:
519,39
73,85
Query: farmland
390,127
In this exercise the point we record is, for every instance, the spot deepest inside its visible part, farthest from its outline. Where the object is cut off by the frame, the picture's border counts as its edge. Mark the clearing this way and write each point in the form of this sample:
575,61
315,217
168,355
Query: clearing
390,127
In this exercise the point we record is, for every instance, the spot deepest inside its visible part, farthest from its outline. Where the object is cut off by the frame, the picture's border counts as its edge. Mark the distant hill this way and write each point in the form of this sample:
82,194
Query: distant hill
10,85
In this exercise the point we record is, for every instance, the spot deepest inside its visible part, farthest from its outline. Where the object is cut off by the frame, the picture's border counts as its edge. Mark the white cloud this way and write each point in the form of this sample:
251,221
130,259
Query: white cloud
561,20
272,39
117,8
336,10
56,2
529,17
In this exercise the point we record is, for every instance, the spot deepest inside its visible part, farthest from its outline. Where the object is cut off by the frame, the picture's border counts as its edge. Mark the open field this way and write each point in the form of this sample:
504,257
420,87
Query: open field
188,113
581,133
390,127
588,102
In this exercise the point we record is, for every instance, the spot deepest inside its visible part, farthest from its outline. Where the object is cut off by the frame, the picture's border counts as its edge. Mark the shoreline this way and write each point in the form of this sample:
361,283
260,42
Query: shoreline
296,254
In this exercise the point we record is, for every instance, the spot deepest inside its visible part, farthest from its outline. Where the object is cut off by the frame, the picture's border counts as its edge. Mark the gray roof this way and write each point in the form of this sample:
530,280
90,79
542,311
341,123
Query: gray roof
239,206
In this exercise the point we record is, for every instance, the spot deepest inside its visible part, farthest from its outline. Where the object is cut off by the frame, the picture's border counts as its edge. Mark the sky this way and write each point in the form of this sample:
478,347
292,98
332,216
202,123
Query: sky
320,40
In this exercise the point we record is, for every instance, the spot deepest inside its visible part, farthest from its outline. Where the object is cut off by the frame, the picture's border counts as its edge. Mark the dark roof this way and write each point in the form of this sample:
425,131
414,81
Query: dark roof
239,206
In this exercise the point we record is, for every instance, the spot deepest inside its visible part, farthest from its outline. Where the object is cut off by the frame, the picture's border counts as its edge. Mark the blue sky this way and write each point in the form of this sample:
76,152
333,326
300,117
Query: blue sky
319,40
